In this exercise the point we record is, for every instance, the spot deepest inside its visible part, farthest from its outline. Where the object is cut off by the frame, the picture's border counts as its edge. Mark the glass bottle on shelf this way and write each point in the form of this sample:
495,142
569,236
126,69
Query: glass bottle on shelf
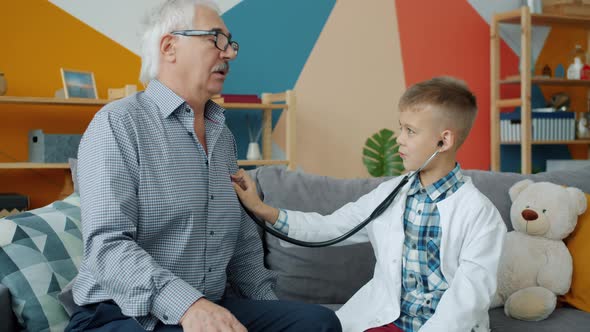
578,56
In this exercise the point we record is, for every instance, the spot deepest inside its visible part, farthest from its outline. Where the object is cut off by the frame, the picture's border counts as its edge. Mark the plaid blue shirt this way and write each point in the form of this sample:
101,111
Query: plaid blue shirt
422,281
161,222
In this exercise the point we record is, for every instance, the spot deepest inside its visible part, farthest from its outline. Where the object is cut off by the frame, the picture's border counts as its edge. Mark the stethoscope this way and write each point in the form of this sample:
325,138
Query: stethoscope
376,213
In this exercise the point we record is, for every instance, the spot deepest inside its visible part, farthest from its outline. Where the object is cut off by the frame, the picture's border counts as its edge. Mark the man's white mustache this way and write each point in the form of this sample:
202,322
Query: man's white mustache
224,67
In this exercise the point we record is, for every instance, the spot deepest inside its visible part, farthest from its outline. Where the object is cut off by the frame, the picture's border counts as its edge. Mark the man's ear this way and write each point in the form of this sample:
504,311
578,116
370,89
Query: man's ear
168,48
449,139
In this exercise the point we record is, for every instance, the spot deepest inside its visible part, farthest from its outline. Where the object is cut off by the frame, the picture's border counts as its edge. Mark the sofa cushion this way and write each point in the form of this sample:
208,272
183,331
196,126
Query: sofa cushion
495,185
332,275
562,319
578,243
40,252
315,275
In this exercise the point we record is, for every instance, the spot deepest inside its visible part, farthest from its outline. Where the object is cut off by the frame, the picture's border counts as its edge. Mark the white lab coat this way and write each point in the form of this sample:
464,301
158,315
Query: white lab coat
471,244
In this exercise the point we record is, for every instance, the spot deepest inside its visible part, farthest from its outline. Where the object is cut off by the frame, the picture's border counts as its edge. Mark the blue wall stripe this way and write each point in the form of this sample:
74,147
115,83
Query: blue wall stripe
276,38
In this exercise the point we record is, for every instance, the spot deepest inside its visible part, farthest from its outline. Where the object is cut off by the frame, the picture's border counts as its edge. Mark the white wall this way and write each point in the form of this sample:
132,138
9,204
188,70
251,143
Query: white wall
119,20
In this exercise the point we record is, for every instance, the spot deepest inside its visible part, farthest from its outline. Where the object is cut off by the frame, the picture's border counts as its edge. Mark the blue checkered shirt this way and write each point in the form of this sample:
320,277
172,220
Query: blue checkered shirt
422,281
161,223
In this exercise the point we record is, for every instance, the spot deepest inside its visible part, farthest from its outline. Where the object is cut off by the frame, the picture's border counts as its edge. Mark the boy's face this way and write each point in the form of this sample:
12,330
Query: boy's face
418,137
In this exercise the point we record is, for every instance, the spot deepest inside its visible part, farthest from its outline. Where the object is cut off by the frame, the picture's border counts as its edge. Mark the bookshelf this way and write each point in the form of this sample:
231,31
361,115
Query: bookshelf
526,20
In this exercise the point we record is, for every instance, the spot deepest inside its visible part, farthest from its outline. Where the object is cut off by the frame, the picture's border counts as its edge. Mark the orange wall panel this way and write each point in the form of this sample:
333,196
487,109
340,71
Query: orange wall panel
39,38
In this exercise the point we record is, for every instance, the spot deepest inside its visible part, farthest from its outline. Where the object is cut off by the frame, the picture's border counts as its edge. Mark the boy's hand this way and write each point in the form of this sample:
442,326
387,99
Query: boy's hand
246,190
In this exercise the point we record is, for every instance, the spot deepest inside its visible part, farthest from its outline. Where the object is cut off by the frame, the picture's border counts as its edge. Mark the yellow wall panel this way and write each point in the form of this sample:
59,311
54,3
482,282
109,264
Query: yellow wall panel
559,49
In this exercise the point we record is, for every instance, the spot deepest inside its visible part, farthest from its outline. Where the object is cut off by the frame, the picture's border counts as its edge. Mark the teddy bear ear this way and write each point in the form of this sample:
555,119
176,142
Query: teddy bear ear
518,187
579,199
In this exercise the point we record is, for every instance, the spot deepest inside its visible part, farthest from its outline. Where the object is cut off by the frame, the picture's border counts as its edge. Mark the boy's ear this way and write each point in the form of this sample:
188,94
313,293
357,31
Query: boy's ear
448,138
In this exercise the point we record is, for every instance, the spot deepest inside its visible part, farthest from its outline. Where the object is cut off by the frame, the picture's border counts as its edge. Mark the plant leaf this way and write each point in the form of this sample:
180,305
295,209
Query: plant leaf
381,154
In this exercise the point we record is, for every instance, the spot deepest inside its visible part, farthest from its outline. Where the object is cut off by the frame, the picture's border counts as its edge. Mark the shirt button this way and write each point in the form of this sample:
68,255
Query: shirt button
423,190
212,233
414,246
210,269
190,134
188,110
419,211
427,301
165,317
211,197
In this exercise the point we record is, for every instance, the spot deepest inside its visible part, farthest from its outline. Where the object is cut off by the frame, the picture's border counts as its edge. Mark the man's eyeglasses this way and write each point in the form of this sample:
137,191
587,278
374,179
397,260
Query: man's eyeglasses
222,41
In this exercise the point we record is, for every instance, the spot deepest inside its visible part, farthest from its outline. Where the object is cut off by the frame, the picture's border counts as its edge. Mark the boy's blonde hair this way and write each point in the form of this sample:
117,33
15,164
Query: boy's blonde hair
449,96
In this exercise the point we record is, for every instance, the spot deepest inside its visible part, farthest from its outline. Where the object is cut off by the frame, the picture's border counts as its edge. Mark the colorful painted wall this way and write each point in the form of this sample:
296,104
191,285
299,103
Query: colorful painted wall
348,60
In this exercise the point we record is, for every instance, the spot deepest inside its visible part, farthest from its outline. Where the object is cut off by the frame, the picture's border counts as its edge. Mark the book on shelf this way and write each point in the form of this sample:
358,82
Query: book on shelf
546,126
237,98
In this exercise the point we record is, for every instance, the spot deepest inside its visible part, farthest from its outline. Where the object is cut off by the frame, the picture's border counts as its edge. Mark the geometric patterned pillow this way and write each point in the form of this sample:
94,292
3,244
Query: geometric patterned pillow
40,253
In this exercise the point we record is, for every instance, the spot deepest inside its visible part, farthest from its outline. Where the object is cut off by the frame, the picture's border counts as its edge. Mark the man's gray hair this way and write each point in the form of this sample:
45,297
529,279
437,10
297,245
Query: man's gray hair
171,15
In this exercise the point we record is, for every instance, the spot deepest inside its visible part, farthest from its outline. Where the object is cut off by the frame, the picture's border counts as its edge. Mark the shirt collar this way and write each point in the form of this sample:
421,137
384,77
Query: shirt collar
440,186
168,102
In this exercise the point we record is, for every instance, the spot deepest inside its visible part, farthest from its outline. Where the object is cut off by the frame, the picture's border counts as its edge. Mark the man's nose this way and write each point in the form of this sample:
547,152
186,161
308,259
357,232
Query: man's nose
229,54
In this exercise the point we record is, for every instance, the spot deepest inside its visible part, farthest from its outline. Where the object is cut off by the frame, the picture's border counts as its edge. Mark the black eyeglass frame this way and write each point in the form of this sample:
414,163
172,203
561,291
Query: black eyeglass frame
193,33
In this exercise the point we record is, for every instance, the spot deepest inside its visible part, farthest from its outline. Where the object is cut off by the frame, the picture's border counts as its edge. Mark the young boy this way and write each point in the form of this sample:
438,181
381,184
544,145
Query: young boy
438,244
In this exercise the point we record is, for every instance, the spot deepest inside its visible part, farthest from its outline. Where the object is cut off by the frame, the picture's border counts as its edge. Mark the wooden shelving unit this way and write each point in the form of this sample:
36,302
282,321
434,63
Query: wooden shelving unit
270,102
525,19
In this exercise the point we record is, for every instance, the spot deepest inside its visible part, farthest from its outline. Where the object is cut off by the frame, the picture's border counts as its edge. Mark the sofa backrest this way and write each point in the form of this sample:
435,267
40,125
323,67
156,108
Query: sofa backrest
334,274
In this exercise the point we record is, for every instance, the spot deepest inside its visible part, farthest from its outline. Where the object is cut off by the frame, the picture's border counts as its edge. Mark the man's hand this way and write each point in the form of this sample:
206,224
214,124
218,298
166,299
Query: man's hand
205,315
246,190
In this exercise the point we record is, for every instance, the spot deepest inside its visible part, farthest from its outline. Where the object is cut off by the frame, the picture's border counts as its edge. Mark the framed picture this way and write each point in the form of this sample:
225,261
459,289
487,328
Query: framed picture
78,84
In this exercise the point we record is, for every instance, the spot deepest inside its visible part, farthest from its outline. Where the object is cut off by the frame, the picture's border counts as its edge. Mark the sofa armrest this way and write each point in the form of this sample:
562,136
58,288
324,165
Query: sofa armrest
6,314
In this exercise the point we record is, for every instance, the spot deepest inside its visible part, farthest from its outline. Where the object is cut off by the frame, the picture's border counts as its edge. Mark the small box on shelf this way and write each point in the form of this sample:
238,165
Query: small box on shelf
547,126
52,148
11,204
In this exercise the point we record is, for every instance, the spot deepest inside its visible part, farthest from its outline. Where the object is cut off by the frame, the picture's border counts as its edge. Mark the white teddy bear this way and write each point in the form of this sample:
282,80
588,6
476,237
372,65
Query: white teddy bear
536,266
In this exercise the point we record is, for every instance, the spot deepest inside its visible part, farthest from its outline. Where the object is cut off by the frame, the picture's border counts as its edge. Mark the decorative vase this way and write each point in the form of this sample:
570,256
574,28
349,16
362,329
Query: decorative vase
2,84
253,151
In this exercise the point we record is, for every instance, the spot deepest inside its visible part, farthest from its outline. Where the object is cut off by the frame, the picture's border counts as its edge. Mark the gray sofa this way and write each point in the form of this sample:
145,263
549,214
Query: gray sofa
332,275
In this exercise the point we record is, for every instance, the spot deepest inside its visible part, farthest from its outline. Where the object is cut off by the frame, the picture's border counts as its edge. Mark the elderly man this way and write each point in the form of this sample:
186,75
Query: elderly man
163,229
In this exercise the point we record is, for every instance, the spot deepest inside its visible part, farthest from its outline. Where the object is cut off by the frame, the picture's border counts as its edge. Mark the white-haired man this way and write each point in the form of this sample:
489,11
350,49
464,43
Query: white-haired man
163,229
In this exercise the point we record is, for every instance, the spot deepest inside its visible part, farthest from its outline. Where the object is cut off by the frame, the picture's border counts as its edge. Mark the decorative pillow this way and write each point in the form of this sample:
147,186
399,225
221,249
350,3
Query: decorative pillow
40,252
578,244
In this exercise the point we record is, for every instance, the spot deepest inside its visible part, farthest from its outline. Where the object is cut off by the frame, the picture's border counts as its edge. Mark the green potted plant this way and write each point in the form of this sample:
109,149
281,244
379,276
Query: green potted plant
381,155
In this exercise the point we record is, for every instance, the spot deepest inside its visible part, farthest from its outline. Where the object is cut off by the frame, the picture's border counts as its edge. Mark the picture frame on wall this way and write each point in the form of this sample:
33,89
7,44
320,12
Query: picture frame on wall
78,84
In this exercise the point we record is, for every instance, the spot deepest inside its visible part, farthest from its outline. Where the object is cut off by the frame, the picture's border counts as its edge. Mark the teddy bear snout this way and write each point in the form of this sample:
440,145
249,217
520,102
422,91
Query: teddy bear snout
529,215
